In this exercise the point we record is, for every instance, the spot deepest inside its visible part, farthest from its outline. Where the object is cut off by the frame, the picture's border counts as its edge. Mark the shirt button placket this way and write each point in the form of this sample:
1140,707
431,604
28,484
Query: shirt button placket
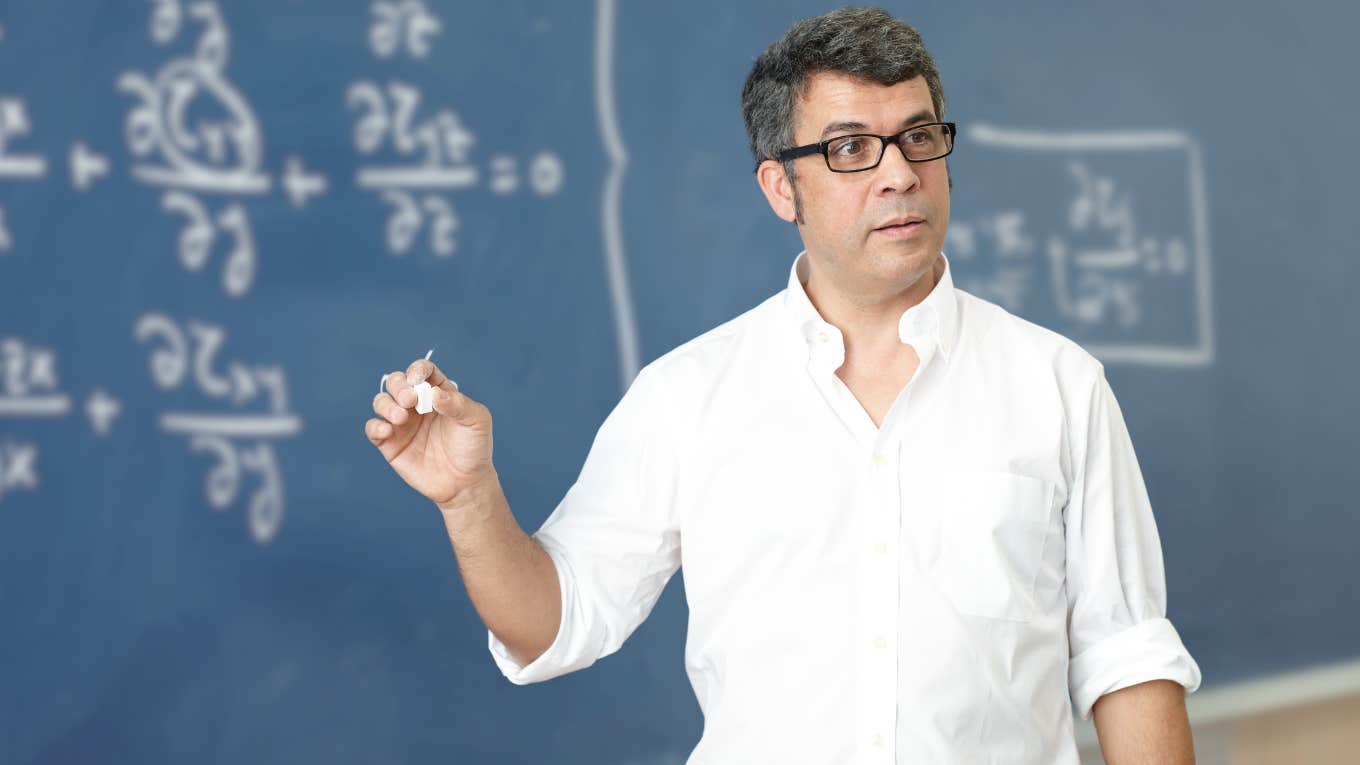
882,627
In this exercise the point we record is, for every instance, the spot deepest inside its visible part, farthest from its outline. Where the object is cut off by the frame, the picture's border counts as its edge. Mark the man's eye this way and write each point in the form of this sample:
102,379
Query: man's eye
848,147
918,136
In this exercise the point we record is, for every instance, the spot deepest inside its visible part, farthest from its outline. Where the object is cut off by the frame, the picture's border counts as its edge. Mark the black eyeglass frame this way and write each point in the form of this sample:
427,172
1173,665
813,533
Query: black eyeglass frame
821,147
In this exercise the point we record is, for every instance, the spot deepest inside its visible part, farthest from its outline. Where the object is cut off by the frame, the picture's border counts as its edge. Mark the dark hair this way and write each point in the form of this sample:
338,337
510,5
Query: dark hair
866,43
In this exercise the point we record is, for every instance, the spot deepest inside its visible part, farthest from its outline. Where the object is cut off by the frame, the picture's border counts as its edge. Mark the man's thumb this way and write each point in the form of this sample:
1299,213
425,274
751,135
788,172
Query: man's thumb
455,405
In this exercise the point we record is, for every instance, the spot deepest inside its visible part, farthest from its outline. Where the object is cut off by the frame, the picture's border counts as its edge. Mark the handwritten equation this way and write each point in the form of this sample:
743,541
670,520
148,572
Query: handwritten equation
427,157
30,389
15,165
1126,228
192,134
186,354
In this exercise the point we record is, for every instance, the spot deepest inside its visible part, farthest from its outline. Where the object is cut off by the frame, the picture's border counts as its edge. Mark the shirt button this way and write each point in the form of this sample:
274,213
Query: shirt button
822,336
880,460
878,741
880,643
880,548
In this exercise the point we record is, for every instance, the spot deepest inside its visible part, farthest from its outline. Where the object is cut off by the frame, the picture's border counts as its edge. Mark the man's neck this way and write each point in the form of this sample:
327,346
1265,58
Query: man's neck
868,321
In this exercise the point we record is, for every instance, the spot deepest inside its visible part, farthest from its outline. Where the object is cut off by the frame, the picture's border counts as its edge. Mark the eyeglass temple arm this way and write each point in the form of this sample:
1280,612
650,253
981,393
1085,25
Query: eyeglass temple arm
800,151
788,154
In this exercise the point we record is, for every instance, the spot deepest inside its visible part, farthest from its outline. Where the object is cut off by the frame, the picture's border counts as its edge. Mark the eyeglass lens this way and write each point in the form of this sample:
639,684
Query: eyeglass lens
857,152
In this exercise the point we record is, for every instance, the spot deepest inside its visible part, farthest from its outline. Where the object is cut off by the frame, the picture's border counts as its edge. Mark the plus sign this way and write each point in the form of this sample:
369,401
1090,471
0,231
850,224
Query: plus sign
101,408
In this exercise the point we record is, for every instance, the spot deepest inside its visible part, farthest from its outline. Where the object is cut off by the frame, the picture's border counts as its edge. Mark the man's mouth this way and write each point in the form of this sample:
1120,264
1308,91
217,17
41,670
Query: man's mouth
901,228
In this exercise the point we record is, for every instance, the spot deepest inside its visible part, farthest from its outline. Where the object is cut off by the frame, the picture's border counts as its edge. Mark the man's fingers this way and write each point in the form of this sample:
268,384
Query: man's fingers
419,370
385,407
400,389
377,430
424,369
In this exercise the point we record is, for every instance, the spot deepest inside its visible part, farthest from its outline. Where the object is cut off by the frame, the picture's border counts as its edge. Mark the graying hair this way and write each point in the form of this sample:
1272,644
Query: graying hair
866,43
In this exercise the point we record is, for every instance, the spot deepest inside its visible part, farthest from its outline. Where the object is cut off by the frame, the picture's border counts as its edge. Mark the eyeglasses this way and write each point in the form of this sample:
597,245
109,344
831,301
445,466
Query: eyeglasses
863,151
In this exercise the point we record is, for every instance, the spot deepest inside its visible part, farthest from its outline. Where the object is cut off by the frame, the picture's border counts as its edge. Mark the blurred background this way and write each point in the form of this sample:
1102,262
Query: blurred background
222,222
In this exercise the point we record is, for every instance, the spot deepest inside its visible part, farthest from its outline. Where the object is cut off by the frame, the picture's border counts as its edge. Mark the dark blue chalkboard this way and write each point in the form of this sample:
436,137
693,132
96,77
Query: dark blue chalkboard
221,222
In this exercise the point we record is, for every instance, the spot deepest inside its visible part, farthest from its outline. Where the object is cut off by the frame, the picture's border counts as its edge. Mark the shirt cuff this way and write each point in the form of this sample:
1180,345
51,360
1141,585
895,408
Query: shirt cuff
549,664
1149,650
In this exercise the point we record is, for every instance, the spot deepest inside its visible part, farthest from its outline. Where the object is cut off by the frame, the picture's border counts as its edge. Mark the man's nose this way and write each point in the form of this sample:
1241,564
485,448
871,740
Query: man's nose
895,173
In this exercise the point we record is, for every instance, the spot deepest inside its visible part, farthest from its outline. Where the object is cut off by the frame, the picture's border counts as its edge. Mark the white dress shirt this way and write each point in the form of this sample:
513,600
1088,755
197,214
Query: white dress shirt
941,589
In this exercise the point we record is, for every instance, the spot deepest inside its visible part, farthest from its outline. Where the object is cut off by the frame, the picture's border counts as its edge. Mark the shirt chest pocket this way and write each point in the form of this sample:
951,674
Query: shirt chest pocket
983,543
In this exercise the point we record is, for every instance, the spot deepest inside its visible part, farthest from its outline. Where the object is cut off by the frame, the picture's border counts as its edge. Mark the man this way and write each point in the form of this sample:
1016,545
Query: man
913,526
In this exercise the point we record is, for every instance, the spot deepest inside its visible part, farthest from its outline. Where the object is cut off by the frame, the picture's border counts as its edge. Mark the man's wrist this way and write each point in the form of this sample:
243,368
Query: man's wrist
476,496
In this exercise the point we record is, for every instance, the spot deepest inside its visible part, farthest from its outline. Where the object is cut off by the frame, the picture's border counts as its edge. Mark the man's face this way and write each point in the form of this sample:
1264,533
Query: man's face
843,214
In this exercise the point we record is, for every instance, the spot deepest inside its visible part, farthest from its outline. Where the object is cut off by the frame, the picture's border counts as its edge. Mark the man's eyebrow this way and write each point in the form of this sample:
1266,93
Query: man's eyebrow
853,126
842,127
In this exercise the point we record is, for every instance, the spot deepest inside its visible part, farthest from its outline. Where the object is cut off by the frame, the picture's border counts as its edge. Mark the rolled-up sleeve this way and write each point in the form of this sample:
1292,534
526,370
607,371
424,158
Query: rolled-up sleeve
1116,587
614,538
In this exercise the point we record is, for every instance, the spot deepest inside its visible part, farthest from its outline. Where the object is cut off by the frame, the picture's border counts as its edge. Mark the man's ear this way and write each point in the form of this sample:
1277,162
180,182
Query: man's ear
778,189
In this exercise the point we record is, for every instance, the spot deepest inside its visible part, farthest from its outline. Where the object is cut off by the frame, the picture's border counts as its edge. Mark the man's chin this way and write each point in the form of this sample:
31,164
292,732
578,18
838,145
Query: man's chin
904,261
902,249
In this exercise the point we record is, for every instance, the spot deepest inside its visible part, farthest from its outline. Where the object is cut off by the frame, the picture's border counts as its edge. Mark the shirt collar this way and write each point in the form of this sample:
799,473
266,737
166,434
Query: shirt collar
933,320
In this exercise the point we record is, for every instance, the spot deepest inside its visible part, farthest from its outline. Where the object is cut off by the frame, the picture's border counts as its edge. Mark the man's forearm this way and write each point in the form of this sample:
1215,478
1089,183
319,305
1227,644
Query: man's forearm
1145,723
509,577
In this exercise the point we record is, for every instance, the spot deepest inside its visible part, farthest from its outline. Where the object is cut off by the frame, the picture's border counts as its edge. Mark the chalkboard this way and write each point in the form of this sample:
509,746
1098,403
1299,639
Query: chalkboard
220,223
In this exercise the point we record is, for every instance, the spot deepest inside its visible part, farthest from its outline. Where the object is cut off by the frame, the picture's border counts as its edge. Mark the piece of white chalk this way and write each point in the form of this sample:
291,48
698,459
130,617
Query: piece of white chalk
424,392
424,397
